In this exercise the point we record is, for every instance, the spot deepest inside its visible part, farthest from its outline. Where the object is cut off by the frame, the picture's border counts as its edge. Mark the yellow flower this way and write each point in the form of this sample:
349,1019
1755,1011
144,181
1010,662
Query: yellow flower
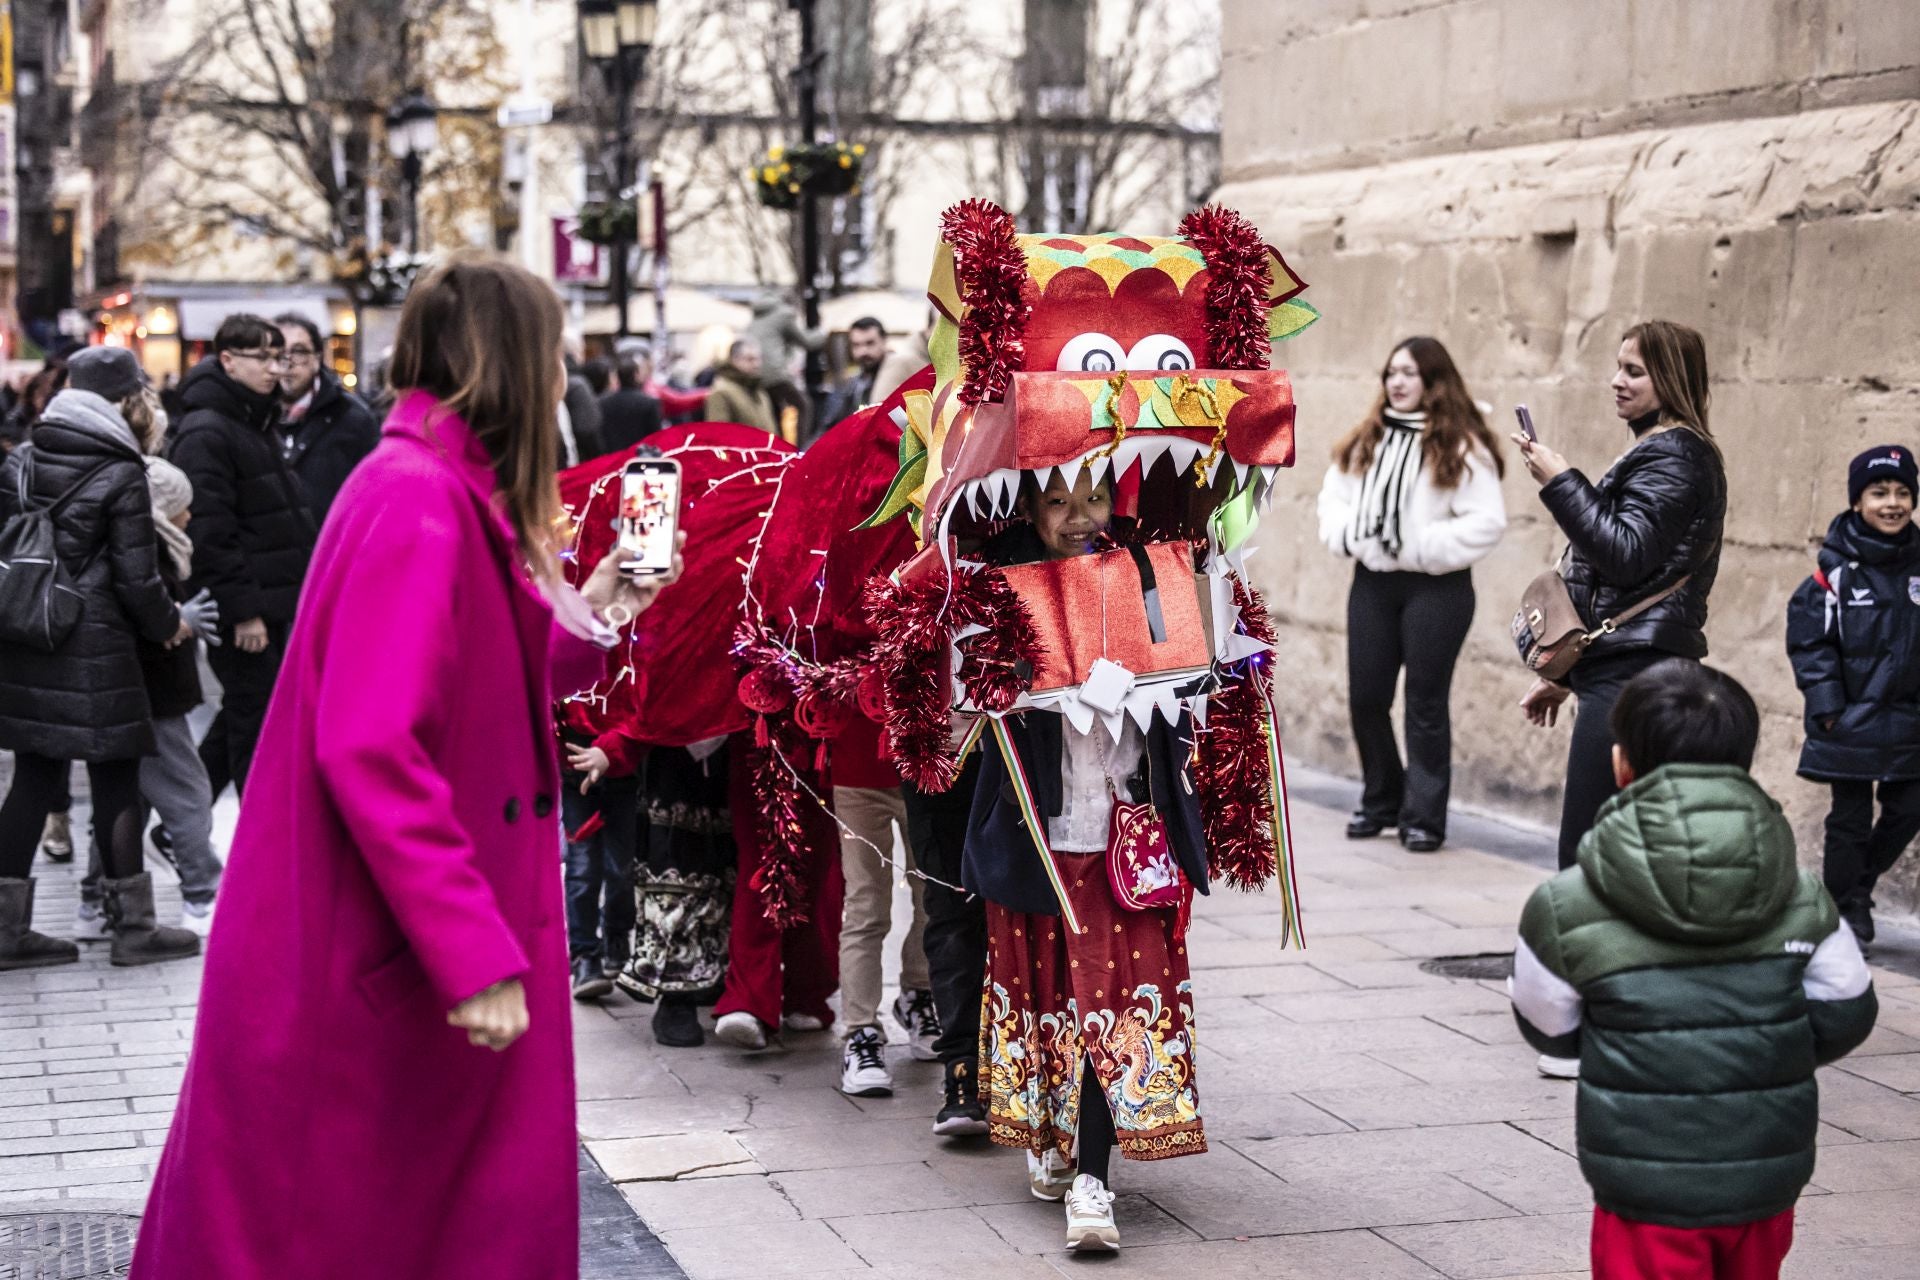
766,174
859,149
774,153
846,162
794,187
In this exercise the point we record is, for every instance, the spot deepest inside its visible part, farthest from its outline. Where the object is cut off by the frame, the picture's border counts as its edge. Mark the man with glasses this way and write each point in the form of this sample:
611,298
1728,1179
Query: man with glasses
324,428
252,529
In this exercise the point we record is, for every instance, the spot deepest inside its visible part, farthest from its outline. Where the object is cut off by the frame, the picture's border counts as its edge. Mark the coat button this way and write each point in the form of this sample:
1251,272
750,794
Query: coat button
542,806
513,809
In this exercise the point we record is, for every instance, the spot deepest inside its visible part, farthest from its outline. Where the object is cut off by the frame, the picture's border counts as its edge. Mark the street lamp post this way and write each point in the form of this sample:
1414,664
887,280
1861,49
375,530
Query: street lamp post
617,35
806,78
413,131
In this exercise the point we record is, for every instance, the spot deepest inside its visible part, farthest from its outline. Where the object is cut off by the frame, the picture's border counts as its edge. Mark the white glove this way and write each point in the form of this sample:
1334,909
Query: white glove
203,615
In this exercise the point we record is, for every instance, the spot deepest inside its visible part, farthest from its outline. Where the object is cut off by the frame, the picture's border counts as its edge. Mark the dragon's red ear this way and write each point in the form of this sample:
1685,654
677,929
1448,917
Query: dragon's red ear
1286,282
990,272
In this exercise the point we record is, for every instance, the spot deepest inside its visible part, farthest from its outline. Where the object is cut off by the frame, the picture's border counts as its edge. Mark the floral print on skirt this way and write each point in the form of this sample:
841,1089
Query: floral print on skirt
682,876
1117,995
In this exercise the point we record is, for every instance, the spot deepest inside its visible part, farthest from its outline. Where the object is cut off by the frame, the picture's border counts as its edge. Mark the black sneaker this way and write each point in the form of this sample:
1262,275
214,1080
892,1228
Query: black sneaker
1858,913
676,1023
589,983
914,1011
1420,840
962,1116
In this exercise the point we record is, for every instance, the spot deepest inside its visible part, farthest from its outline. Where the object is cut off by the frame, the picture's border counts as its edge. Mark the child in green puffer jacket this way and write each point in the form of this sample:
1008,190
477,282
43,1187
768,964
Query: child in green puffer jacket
1698,976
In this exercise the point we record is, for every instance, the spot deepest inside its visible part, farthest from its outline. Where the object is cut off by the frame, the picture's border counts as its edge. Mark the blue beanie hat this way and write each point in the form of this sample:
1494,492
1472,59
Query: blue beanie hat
1883,462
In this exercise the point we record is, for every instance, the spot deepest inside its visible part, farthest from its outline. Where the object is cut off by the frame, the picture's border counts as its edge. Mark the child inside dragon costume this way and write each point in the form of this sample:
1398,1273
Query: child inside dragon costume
1102,427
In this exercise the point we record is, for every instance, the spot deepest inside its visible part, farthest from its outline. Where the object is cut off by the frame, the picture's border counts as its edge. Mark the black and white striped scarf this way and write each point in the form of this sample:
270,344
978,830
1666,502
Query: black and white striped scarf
1385,487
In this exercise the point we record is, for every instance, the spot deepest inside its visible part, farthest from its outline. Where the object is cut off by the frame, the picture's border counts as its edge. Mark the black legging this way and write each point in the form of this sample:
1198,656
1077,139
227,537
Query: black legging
39,780
1096,1127
1597,683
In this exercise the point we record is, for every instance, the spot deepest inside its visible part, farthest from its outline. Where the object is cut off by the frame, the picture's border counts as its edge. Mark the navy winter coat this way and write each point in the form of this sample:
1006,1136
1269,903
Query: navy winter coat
1853,633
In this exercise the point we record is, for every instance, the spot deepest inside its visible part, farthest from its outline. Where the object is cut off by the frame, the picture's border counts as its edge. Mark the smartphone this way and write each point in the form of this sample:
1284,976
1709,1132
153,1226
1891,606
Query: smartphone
649,515
1526,423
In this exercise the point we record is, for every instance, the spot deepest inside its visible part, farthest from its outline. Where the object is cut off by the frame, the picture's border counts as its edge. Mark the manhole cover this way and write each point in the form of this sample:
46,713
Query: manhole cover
66,1246
1489,964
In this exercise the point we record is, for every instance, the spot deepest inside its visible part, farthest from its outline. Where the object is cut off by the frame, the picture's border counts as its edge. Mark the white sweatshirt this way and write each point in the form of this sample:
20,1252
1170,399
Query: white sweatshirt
1442,530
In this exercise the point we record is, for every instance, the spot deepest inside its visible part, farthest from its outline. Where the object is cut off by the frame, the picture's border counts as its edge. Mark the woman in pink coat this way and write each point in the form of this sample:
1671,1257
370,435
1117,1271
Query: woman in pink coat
381,1082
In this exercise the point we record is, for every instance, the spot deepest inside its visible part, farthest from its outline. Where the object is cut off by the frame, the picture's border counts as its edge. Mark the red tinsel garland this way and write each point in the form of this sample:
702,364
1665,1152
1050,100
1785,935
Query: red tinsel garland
992,275
1231,770
1239,277
916,623
800,703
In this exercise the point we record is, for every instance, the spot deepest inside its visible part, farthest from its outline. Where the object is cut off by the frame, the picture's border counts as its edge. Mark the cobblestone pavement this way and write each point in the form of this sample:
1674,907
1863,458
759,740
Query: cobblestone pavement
1367,1119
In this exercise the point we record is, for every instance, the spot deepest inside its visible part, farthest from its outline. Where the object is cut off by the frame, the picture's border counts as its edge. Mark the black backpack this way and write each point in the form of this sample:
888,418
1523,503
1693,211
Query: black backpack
39,603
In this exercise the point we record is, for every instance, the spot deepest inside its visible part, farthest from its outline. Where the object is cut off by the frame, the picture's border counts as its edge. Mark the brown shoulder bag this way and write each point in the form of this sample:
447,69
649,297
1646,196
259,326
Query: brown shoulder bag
1549,632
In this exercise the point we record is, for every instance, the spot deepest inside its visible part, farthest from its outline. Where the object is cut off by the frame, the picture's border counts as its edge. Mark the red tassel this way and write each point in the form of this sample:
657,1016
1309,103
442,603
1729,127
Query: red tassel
820,758
761,738
1239,277
994,286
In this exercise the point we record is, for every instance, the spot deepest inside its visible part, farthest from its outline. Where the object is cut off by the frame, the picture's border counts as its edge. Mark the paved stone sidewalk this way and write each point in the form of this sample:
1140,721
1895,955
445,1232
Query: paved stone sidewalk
1367,1121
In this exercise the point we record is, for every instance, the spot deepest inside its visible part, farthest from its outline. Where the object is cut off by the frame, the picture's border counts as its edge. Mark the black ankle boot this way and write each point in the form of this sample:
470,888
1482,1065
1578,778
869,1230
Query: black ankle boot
20,946
676,1022
138,938
962,1113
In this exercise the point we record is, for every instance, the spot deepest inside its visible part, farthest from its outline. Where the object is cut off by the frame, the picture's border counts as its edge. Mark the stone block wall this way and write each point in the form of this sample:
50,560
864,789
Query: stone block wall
1526,178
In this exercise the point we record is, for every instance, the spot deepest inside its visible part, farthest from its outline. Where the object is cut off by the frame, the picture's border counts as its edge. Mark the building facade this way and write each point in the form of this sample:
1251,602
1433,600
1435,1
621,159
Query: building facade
1526,178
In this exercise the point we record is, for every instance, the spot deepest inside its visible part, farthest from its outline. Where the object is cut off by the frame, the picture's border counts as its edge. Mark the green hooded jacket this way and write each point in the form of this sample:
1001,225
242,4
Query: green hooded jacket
1700,977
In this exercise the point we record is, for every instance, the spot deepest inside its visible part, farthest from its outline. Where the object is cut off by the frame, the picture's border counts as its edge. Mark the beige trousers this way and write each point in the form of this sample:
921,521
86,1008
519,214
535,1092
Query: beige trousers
874,814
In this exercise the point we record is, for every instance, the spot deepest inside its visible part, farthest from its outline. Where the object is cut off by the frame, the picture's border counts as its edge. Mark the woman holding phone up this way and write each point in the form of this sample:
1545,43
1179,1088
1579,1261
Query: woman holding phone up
381,1081
1653,521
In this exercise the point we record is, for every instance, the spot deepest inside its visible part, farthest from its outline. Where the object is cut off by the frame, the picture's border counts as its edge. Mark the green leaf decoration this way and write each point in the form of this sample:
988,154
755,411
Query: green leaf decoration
913,473
1290,317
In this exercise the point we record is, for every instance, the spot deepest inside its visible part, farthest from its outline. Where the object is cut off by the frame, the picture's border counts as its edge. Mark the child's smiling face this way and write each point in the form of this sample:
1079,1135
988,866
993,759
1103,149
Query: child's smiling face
1886,506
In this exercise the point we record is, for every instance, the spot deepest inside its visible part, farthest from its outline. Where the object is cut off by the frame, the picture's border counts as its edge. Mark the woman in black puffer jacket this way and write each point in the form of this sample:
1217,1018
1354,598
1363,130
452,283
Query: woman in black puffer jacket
88,699
1654,520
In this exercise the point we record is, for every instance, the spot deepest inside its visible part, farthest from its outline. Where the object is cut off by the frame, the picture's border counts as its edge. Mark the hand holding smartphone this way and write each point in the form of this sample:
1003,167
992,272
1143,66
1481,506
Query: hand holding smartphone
1526,424
649,516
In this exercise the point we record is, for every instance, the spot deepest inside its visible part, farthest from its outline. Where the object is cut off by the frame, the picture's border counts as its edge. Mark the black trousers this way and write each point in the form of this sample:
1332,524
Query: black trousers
1417,621
601,908
39,780
955,937
246,686
1859,849
1597,683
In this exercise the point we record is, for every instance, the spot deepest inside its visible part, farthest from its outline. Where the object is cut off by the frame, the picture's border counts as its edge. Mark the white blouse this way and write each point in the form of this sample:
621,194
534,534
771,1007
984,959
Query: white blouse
1089,763
1438,530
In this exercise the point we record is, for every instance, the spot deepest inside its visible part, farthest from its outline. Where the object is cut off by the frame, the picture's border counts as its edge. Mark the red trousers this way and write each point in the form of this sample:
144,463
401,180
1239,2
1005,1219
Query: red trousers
1626,1250
772,971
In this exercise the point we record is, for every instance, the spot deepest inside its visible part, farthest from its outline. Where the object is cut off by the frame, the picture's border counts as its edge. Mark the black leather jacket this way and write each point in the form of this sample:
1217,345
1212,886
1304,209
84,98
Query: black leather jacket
1655,517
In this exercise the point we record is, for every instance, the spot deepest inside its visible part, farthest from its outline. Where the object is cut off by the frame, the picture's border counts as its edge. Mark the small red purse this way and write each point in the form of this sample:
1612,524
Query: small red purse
1140,862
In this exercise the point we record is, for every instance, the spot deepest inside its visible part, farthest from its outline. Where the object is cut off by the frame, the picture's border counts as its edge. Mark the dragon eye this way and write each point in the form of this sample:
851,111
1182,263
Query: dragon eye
1160,351
1090,353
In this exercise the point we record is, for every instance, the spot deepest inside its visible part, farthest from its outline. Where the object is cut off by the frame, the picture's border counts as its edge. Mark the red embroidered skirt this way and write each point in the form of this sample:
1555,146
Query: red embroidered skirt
1117,995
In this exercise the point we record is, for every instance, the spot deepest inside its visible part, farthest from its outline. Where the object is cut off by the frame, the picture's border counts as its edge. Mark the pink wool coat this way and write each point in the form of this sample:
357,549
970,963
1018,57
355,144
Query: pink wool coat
396,854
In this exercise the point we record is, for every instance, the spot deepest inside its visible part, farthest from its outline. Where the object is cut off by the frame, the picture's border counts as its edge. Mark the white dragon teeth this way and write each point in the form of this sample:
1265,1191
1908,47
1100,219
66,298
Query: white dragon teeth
1239,475
1070,472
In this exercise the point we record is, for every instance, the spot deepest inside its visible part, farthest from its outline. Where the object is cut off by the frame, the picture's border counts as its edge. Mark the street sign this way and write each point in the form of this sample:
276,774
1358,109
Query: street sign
523,113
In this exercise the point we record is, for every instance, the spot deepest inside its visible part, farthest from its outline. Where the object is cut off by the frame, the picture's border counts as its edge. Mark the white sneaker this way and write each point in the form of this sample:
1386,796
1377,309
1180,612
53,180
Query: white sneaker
1090,1216
1049,1176
741,1030
802,1022
914,1011
90,923
1559,1068
863,1065
197,917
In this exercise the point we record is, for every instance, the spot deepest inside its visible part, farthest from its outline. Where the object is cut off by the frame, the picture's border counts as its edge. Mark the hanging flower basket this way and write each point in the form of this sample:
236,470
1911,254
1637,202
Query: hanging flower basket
609,222
816,169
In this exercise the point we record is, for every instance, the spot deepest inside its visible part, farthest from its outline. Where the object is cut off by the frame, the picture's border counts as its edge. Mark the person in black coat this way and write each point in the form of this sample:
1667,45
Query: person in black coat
252,530
1853,634
325,429
87,700
629,415
1655,519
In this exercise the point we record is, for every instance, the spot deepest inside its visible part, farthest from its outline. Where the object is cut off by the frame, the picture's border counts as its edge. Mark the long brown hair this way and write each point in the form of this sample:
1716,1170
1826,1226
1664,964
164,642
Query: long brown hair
1676,360
482,336
1454,423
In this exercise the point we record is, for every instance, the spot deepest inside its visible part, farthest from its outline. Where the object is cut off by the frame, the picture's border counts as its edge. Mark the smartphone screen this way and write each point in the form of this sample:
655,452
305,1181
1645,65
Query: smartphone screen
649,515
1526,422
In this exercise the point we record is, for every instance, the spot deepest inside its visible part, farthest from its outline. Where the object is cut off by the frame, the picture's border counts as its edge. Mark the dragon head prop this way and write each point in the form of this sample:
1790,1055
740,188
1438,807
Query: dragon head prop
1108,352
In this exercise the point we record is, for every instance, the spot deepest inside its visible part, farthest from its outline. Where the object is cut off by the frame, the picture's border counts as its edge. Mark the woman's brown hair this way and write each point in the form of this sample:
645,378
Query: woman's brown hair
482,336
1676,360
1454,423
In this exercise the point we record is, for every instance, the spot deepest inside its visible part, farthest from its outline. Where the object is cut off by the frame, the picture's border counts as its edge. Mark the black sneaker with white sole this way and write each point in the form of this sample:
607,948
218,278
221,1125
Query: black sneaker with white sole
962,1115
863,1069
915,1013
589,983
